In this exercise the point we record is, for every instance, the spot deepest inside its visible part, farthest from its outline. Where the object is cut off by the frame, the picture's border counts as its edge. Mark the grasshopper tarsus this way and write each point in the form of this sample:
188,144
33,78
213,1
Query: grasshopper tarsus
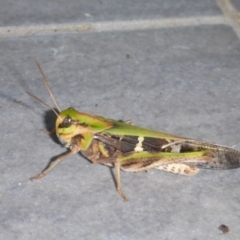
39,176
122,195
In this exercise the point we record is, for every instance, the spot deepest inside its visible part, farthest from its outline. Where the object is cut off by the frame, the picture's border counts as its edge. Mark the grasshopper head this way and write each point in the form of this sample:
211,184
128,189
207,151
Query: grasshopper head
68,125
76,128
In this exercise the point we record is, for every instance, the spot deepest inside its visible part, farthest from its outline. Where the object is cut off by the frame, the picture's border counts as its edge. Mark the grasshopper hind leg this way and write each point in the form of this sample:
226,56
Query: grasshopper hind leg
179,168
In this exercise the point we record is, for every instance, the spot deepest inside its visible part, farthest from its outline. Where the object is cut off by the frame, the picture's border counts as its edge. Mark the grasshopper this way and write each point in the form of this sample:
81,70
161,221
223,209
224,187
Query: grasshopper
131,148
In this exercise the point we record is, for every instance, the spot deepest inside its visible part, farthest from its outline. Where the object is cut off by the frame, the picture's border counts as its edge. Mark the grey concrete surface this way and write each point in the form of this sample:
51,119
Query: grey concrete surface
45,11
181,80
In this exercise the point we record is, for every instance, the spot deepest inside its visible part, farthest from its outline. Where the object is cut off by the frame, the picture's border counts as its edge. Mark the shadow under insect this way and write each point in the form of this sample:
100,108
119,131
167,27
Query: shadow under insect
49,122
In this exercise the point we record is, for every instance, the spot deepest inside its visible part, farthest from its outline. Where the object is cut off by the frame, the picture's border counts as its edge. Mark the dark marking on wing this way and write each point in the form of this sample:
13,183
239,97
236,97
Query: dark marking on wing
128,143
218,157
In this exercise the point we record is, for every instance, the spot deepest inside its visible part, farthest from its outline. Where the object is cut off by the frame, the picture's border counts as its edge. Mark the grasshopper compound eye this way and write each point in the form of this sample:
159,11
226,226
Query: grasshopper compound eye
67,122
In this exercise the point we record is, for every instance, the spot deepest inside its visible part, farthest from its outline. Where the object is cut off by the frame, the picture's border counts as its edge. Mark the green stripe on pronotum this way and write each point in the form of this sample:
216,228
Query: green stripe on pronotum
130,148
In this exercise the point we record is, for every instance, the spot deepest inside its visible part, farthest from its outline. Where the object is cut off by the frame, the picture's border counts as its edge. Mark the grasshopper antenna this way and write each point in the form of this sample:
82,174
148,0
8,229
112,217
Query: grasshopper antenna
43,103
48,88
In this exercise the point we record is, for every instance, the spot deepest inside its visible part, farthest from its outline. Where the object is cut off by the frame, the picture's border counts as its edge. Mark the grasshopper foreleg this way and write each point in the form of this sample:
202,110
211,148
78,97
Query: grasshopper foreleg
52,164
